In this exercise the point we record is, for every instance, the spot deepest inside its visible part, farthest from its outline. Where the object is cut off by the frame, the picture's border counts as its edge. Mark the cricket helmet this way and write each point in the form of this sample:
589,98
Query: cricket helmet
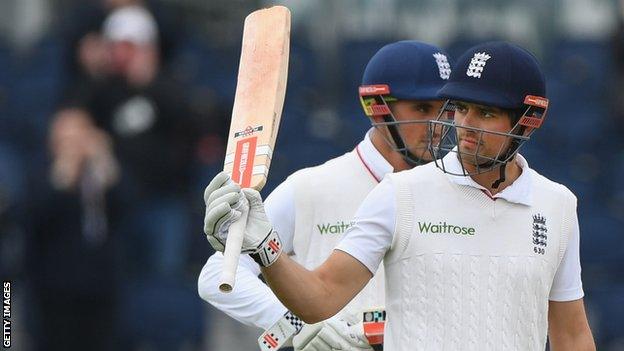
498,74
404,70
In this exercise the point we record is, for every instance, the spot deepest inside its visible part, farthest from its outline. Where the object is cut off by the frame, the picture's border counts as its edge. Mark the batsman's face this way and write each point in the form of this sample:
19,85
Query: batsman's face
476,138
413,116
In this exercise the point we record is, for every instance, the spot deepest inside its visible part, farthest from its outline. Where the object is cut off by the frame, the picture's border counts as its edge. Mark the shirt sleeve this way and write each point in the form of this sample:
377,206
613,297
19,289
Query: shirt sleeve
371,234
280,209
251,302
567,285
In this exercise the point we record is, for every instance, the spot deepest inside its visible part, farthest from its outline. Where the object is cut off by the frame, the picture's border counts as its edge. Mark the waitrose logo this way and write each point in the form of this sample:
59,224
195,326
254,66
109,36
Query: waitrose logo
444,228
333,228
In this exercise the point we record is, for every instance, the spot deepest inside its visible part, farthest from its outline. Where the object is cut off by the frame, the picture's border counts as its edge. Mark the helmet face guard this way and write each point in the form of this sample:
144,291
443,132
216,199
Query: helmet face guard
374,100
443,136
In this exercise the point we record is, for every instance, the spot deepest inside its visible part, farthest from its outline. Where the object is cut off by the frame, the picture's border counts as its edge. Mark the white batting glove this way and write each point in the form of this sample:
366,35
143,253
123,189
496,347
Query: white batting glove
225,202
342,332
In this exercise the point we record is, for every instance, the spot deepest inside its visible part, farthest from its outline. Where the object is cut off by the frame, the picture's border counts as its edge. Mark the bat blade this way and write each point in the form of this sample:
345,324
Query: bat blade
258,103
259,99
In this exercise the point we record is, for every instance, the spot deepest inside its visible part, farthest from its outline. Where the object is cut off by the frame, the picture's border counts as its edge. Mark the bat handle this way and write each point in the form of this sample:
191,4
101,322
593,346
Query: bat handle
233,245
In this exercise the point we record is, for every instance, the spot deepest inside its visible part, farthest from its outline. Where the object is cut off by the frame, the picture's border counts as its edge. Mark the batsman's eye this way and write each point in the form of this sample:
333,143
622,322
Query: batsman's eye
422,108
487,114
461,108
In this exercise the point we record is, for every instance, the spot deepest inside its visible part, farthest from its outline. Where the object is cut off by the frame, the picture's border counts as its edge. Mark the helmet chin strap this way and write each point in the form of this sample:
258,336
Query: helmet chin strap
511,149
407,155
501,177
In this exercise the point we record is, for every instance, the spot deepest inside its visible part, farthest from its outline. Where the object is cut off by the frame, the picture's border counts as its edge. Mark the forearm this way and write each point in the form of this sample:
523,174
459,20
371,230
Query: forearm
303,292
568,327
580,342
251,302
311,295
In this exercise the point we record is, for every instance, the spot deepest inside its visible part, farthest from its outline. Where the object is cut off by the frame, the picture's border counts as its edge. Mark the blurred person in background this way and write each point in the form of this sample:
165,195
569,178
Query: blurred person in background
86,48
399,94
140,117
146,116
72,255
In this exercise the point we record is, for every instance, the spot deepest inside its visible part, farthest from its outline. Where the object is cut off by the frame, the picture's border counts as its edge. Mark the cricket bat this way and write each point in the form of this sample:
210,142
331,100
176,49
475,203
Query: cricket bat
260,91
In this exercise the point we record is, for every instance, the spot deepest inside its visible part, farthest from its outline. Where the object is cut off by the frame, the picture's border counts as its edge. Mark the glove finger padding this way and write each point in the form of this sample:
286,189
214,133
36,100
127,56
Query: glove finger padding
256,207
332,338
215,217
232,199
350,336
335,333
217,182
256,219
308,338
217,222
216,244
254,198
231,188
358,339
319,344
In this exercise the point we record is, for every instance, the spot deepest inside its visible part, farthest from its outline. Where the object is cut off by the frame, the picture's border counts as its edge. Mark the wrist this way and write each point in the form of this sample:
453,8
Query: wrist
280,333
269,250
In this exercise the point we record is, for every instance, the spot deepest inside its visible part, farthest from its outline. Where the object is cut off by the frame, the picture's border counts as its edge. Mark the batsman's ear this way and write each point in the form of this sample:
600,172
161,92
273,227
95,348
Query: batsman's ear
217,182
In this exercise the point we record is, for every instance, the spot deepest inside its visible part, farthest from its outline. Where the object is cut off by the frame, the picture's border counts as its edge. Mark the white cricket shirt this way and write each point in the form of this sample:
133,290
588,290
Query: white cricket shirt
371,236
466,270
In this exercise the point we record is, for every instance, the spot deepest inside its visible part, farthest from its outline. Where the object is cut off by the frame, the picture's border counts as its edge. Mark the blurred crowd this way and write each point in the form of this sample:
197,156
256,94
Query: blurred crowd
113,115
106,219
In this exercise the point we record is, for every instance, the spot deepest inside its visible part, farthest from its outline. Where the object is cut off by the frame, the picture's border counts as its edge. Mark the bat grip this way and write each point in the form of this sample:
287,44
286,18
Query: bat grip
231,254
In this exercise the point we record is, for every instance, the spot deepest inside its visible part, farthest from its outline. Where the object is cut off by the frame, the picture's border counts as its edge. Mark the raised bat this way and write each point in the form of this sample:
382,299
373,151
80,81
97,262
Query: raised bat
256,115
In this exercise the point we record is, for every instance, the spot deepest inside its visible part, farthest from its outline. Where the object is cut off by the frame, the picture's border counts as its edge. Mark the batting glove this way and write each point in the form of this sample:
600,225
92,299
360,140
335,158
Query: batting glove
342,332
225,203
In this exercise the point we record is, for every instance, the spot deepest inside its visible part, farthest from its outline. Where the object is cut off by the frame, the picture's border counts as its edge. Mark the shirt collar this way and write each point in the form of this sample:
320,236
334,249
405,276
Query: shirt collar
372,159
517,192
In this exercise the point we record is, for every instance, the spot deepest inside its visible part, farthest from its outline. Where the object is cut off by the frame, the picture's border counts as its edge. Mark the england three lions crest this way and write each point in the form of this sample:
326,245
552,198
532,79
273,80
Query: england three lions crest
540,234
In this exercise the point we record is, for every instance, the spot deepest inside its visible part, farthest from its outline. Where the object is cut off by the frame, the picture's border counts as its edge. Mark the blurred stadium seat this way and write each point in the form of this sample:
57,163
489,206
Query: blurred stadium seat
38,84
584,65
605,307
199,63
602,239
354,55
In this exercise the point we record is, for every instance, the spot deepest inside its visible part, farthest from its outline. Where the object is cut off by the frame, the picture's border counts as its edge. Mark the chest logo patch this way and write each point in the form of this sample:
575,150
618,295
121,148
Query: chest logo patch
444,228
334,228
540,234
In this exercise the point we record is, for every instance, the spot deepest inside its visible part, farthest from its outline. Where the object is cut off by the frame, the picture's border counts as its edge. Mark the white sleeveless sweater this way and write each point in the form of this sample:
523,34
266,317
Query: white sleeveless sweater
466,272
326,199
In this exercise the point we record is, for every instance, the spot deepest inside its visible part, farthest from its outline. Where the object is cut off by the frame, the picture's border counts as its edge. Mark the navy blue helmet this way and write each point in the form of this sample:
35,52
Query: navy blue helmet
413,70
498,74
404,70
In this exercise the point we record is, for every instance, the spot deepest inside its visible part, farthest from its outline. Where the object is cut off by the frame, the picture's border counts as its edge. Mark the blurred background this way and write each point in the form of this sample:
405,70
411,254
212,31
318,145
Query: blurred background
113,116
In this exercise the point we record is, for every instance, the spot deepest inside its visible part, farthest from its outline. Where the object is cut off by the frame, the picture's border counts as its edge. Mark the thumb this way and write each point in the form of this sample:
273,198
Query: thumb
254,198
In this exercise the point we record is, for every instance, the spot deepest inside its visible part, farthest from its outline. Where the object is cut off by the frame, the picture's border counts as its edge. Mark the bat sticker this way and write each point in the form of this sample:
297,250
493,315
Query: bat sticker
248,131
244,160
